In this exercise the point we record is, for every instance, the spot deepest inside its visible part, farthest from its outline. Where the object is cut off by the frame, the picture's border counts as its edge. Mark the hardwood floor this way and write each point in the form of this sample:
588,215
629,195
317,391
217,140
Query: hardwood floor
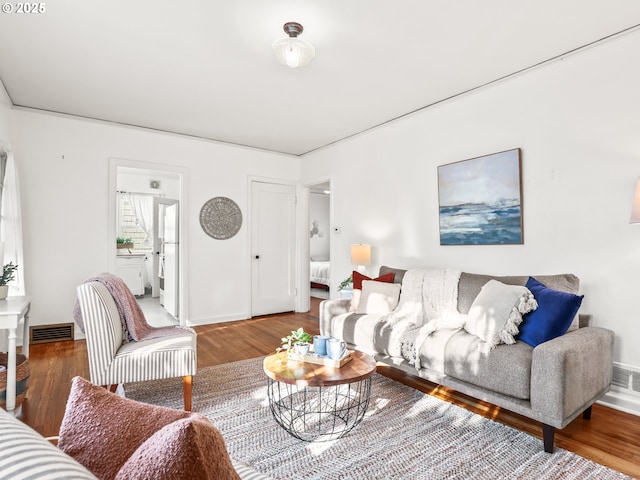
610,438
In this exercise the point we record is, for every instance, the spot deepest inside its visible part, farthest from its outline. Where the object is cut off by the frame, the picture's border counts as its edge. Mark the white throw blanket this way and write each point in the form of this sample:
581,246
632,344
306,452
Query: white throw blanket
429,301
440,296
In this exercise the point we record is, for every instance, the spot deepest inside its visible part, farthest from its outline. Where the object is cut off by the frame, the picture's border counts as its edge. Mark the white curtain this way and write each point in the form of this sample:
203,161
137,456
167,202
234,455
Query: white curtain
142,206
12,225
121,198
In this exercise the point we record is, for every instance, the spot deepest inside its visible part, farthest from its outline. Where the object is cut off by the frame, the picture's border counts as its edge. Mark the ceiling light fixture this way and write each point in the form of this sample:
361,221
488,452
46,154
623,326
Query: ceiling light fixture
293,51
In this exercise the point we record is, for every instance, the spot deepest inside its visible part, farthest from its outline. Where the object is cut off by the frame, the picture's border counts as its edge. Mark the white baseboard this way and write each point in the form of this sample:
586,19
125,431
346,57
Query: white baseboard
626,402
194,322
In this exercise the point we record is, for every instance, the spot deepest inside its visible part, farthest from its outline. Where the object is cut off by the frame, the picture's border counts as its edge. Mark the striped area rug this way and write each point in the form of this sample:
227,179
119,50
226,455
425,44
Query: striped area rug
405,435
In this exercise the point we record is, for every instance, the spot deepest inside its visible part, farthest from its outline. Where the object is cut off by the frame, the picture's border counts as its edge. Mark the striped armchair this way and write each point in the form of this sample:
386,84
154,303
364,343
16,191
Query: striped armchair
112,361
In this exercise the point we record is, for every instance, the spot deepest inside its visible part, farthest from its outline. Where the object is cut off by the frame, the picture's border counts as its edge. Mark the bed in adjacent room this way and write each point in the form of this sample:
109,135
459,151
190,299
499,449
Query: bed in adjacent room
319,274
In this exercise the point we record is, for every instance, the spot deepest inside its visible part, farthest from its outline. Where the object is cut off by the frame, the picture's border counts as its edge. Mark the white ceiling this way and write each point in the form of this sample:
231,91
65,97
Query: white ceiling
205,67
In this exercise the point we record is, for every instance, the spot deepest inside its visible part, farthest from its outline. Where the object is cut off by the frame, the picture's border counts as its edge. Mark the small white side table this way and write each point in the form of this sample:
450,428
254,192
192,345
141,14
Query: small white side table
346,293
12,310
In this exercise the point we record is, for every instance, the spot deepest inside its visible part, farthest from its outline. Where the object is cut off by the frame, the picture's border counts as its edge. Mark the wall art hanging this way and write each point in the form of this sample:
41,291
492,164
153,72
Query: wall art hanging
220,218
480,200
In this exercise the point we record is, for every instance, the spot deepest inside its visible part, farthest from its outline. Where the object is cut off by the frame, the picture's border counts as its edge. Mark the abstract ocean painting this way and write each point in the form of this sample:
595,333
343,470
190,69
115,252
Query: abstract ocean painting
481,200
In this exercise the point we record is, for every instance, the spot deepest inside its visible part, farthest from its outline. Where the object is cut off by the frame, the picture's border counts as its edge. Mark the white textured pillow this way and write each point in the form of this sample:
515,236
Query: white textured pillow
355,299
378,297
497,311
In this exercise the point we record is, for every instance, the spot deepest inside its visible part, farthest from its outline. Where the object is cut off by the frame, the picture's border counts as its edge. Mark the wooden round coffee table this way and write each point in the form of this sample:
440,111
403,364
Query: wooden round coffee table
316,402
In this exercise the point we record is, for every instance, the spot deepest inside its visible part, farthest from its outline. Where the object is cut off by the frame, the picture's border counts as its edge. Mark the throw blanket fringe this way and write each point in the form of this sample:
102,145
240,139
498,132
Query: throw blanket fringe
507,335
134,324
526,304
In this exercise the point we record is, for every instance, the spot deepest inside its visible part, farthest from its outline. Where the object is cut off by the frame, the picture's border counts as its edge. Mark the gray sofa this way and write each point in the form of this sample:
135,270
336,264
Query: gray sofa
552,383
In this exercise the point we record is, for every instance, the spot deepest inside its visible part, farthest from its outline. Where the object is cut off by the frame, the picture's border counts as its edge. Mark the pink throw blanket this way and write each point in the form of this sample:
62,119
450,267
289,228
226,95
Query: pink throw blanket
134,324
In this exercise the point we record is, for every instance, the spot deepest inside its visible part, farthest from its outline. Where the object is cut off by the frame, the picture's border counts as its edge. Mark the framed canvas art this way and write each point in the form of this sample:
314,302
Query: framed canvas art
480,200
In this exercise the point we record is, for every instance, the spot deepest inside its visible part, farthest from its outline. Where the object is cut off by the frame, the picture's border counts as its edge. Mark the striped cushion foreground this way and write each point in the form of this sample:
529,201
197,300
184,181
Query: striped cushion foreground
24,454
247,473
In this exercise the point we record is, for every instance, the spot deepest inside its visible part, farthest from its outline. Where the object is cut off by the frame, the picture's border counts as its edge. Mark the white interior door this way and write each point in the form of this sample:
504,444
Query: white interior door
272,248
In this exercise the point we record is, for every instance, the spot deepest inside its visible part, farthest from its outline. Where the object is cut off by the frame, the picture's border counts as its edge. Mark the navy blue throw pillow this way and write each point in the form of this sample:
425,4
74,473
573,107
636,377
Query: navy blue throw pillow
553,316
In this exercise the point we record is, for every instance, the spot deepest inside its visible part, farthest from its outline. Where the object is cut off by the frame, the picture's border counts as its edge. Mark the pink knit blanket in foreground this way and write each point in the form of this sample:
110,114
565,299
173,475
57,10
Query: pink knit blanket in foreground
133,320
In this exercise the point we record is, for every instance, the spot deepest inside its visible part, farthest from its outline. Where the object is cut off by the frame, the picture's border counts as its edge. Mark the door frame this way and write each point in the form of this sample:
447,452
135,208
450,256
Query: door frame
183,233
305,287
297,243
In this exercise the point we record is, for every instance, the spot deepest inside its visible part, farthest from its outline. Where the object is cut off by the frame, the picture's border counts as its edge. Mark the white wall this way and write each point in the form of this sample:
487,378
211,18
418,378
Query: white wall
64,163
577,122
5,117
138,181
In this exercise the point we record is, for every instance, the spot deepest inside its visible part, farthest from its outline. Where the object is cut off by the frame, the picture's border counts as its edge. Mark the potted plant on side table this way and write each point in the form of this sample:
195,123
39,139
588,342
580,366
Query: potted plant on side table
8,274
347,283
346,287
22,362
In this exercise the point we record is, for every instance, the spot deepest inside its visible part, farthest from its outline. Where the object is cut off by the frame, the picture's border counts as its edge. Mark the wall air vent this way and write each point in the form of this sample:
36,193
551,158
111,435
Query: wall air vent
51,333
635,381
621,377
626,378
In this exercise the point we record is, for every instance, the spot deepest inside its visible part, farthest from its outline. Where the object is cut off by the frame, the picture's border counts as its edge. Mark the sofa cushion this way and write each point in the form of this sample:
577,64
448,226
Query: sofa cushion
378,297
397,272
355,329
497,311
471,283
26,454
369,333
185,449
553,316
506,369
432,350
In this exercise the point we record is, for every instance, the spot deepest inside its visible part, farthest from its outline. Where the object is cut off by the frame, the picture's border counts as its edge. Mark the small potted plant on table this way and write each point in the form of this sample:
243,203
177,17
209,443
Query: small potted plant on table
8,274
299,342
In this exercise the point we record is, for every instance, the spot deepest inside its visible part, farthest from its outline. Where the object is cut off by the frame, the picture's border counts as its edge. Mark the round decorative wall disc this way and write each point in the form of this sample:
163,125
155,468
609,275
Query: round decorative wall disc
220,218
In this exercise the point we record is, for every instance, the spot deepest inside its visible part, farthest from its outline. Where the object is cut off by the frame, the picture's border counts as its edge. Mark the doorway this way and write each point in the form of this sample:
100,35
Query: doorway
141,196
319,240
